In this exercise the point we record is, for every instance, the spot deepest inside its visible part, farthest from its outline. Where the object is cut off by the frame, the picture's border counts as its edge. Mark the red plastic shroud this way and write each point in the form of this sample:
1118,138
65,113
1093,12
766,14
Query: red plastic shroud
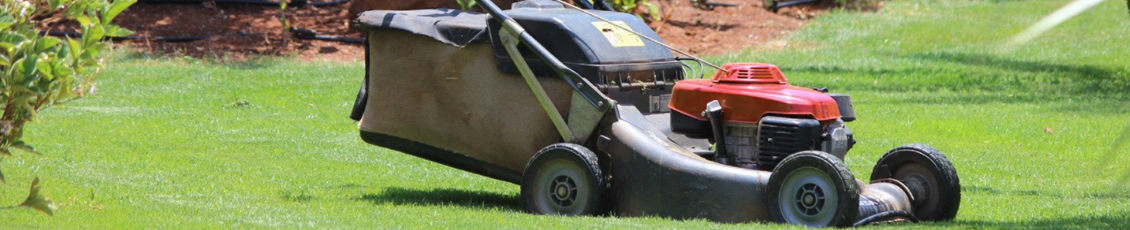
750,91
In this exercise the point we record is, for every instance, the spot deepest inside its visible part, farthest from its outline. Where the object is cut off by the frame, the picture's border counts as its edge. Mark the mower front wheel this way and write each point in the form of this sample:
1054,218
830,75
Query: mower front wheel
564,179
928,175
815,189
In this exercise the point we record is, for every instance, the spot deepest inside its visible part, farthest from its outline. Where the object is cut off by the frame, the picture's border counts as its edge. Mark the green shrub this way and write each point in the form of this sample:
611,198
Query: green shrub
39,71
630,6
466,5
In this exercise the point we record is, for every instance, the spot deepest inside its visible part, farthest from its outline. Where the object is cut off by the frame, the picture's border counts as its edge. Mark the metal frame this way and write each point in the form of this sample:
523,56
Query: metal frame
582,119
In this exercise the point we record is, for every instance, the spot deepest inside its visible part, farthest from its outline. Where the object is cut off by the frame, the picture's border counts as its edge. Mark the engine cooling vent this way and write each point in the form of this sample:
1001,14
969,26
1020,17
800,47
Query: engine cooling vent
779,137
757,73
750,73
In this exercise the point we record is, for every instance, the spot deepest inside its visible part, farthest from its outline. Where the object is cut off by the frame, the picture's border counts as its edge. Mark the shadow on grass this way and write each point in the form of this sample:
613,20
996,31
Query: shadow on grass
251,63
844,70
299,196
995,191
896,79
1113,193
490,200
970,78
1091,73
1046,81
1074,79
987,72
444,196
1106,221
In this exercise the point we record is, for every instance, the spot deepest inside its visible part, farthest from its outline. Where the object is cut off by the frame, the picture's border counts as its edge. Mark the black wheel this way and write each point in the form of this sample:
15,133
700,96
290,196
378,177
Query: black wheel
928,175
815,189
564,179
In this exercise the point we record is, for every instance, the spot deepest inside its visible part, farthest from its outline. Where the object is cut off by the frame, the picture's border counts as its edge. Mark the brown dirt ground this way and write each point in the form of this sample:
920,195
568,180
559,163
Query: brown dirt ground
723,29
241,31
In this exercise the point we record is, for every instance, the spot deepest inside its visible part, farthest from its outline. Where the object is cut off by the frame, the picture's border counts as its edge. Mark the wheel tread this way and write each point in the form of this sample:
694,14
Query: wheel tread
589,161
850,188
948,174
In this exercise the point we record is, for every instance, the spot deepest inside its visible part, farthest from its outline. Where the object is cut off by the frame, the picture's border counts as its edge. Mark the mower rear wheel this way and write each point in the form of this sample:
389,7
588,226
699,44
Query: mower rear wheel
815,189
930,177
564,179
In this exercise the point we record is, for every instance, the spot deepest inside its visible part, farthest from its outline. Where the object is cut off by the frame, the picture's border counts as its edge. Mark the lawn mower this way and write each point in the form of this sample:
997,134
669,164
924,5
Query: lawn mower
591,114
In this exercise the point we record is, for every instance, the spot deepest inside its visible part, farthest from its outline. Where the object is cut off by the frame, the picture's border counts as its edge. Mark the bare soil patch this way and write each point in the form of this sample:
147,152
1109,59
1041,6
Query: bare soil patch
723,29
238,31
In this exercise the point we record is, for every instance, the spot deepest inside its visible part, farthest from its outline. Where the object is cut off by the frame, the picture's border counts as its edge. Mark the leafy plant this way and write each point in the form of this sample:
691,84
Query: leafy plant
466,4
285,23
630,6
39,71
36,201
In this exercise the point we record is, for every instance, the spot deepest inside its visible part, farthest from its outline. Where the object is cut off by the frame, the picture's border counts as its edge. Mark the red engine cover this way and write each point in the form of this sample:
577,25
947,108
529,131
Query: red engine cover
748,92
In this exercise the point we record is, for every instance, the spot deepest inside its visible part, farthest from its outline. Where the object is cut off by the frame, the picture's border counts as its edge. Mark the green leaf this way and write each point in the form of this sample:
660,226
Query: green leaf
6,21
75,47
467,4
34,89
19,144
15,38
25,68
93,50
61,53
15,89
117,31
46,43
45,69
7,45
83,20
54,3
116,8
61,70
30,66
37,201
93,34
653,9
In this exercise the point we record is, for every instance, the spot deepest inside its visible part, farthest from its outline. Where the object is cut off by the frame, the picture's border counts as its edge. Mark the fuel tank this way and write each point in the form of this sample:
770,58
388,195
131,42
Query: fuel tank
748,92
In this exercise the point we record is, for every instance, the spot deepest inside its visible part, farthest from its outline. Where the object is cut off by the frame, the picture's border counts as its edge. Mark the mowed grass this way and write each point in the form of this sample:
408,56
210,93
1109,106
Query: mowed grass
1034,132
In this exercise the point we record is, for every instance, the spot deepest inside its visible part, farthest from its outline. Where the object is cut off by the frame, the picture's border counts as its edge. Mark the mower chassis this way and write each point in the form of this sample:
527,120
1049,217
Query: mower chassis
650,174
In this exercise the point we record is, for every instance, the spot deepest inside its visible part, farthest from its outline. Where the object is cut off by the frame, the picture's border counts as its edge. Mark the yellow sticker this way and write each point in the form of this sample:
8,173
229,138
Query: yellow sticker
618,37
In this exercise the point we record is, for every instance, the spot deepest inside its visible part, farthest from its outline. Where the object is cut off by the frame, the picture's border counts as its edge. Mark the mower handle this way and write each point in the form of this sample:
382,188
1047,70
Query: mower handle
594,5
581,85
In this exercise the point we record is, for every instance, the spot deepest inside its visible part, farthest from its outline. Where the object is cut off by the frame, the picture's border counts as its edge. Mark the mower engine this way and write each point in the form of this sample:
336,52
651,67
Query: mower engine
755,118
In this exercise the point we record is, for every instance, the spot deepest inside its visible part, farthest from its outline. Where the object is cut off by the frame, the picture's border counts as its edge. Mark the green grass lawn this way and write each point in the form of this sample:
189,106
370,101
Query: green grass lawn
170,143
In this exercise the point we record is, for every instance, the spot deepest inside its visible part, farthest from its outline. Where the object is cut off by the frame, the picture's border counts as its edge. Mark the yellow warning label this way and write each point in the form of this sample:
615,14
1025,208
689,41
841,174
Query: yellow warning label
618,37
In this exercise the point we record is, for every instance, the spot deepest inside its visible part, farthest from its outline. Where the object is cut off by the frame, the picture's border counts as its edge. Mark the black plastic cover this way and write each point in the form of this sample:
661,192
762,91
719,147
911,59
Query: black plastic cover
843,101
575,39
453,27
779,137
689,126
572,36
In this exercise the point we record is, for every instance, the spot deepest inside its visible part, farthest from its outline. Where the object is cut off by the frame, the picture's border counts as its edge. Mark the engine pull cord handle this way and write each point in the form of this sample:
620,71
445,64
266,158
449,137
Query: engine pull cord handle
714,114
